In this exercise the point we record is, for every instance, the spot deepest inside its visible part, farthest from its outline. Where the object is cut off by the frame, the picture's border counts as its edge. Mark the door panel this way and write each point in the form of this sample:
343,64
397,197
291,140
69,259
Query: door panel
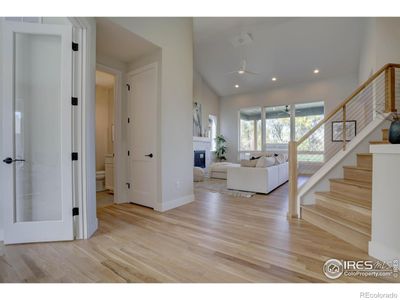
37,132
143,136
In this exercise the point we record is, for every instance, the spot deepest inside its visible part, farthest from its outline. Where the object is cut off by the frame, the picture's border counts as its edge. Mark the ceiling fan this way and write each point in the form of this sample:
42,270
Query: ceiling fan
243,69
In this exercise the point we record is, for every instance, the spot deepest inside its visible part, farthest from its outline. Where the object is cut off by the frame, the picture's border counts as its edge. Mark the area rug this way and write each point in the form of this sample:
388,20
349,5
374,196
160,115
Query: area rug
219,186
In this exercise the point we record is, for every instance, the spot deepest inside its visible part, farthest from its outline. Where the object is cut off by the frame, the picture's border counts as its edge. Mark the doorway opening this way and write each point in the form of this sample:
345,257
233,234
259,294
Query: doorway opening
127,126
105,138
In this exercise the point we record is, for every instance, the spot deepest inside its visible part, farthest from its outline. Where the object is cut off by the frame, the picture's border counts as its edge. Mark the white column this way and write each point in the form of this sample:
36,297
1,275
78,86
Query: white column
385,242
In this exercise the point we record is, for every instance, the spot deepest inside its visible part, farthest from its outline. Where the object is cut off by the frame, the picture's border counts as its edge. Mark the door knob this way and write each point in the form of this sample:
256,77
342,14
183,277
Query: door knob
9,160
149,155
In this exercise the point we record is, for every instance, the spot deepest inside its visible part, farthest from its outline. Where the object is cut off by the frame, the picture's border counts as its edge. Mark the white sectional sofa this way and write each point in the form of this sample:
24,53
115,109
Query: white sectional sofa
258,180
219,169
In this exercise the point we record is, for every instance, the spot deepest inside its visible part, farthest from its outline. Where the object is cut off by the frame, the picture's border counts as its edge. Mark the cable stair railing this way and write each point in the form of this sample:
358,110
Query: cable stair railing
375,98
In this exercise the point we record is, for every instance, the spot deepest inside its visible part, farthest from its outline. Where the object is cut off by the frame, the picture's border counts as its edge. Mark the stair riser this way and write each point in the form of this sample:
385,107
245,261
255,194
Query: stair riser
385,134
357,174
349,235
346,210
364,161
351,191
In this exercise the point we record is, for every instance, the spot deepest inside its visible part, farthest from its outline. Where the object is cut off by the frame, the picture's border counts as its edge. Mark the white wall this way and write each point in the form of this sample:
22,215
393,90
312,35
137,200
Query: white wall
368,52
332,91
381,45
202,93
174,37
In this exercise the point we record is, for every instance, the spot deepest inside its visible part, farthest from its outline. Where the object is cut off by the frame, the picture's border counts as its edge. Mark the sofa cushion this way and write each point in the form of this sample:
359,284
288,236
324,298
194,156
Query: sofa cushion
259,154
281,158
265,162
248,163
222,166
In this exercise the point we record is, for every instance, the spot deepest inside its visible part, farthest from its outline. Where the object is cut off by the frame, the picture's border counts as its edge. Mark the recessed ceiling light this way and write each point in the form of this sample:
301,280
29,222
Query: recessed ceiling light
273,78
316,71
241,71
236,86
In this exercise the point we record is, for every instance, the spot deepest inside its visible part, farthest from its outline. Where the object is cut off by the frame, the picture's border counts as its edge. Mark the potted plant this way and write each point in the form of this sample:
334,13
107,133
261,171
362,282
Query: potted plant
394,130
220,147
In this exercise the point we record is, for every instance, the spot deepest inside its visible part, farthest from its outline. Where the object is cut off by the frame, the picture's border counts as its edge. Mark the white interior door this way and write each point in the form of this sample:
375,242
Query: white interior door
142,132
36,162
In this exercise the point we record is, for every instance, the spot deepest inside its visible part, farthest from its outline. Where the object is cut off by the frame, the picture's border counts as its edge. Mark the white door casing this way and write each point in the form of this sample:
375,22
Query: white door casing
37,128
142,135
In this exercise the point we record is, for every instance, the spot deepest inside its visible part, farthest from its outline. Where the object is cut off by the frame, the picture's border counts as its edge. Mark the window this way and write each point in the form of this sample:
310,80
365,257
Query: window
212,125
279,121
277,127
307,116
250,129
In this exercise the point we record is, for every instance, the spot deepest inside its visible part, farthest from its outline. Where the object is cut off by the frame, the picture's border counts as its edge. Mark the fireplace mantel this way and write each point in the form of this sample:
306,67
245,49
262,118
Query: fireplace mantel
201,139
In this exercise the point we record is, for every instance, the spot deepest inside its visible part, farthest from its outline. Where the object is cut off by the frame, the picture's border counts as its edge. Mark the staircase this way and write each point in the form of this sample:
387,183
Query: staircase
345,210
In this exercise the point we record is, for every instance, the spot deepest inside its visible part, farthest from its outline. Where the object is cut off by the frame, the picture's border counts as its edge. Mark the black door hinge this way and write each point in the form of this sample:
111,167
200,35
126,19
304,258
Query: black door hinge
129,152
129,120
75,211
129,86
128,185
74,156
75,46
74,101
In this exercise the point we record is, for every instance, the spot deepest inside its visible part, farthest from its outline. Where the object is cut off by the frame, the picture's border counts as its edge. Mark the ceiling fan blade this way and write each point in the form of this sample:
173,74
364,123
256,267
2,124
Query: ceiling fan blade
252,73
233,72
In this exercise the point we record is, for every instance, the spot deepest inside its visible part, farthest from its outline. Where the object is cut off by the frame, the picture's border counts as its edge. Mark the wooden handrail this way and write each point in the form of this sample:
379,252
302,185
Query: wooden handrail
347,100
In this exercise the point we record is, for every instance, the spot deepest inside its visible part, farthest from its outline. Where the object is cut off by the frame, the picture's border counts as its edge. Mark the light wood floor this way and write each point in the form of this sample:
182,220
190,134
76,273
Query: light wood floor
104,198
216,238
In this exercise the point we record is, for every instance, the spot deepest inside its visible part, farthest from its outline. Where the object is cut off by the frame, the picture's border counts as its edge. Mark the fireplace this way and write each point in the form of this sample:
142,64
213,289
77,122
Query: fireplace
200,158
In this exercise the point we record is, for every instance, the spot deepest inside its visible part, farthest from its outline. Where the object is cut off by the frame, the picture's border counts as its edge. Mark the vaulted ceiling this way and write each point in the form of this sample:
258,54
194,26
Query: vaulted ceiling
286,48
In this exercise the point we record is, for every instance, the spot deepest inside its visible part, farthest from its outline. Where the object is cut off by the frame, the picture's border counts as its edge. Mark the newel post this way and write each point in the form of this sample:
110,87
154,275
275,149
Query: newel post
292,211
390,101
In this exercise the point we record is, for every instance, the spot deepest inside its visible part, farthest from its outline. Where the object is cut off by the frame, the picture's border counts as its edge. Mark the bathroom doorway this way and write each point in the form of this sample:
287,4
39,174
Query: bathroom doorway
105,138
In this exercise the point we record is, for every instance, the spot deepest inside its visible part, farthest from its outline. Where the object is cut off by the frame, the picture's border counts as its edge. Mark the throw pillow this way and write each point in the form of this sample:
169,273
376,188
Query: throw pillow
253,158
265,162
281,158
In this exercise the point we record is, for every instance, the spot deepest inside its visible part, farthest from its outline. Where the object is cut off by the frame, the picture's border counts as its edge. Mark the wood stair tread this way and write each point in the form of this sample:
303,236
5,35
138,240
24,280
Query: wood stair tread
364,154
338,197
333,216
360,184
357,168
379,142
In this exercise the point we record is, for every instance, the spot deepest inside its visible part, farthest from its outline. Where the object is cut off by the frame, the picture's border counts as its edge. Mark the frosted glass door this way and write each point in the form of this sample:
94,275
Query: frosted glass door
37,127
38,115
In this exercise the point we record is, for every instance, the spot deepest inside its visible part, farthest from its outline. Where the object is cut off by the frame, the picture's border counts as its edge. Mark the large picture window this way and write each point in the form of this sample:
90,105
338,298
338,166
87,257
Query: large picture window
277,127
307,116
250,129
277,132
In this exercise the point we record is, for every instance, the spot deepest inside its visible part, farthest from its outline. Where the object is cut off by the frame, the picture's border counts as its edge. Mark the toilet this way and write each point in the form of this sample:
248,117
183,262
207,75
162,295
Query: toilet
100,181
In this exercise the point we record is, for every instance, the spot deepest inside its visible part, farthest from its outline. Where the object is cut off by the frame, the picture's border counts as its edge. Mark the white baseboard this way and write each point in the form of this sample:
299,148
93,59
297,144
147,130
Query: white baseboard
382,252
175,203
1,235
